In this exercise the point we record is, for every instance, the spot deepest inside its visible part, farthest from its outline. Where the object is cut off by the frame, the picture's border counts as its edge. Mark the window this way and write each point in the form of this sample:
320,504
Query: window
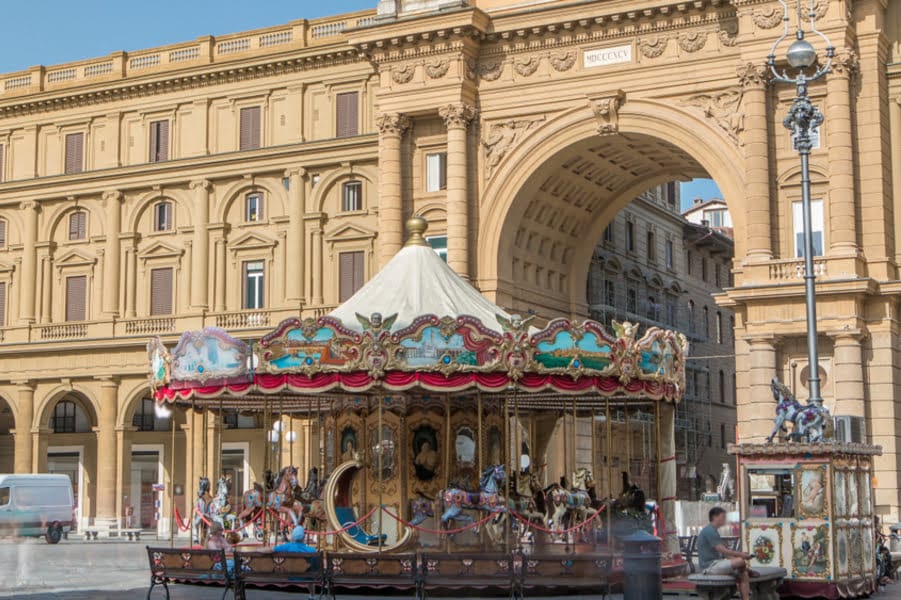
352,196
350,274
162,216
630,236
707,391
1,162
63,419
653,309
704,269
253,207
436,172
671,194
716,275
608,233
250,128
159,141
74,153
722,435
691,316
670,310
2,304
631,300
734,390
145,418
4,496
688,259
78,225
76,297
722,384
161,291
714,218
669,255
719,327
816,227
705,315
439,245
652,248
609,293
253,284
347,118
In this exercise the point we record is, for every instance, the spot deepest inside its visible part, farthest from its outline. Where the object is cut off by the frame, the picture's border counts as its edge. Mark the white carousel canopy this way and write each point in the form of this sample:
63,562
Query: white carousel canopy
417,282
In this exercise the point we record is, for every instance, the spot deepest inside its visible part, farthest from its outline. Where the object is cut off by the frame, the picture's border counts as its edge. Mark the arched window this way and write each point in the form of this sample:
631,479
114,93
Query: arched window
722,384
78,225
705,323
691,316
63,419
146,419
162,216
719,327
253,207
2,232
352,196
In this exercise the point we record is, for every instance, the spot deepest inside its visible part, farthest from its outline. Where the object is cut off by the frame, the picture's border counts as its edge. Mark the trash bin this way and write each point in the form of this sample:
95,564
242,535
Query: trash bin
895,538
643,579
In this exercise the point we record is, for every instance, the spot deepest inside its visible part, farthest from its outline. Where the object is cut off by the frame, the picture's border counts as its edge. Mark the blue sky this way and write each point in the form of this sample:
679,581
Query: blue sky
48,32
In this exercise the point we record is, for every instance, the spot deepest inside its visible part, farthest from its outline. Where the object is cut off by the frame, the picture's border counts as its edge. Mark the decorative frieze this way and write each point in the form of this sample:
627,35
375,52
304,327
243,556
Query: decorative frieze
692,41
653,47
767,18
723,109
606,111
403,73
562,61
392,123
457,116
437,68
502,136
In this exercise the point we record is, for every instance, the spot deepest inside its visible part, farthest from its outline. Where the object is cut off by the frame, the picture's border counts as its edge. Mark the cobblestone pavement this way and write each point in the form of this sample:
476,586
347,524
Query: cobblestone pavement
118,570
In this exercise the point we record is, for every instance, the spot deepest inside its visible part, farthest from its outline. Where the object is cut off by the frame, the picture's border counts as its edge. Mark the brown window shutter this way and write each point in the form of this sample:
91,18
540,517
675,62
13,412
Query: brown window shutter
76,297
358,271
161,291
159,141
3,304
348,114
78,229
345,276
250,128
2,233
74,153
1,162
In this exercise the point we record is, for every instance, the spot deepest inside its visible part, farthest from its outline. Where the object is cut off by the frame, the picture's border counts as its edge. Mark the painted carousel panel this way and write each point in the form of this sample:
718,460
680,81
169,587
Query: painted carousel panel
209,356
764,542
810,551
842,552
840,492
812,491
308,345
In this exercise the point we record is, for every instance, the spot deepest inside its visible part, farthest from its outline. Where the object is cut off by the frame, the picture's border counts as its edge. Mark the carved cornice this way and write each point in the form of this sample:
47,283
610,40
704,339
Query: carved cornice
752,75
606,111
204,184
457,116
845,63
392,123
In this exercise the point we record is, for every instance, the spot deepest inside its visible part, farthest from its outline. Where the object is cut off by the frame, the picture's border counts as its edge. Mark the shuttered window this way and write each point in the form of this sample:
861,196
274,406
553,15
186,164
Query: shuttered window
76,297
2,233
348,114
436,172
250,128
74,153
1,161
3,304
159,141
350,274
253,207
161,291
162,216
352,196
78,225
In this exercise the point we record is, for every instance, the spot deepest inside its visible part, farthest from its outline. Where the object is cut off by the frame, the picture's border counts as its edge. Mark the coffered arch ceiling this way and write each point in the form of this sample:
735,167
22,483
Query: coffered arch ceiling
565,204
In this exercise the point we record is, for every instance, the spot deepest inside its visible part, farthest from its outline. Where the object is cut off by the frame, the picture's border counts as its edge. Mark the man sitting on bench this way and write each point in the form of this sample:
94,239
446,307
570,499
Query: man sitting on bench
297,543
714,558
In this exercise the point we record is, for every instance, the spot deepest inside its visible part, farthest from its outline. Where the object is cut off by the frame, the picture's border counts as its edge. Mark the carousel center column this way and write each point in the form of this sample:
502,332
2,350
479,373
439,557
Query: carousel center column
391,228
24,420
457,118
667,414
106,448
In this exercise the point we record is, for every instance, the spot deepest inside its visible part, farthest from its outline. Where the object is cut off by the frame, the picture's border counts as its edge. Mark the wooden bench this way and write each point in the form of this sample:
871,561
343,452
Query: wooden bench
373,571
473,571
586,572
282,569
168,565
722,587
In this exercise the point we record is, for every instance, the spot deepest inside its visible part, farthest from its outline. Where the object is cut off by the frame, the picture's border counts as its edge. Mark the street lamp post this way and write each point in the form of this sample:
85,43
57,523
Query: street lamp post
803,117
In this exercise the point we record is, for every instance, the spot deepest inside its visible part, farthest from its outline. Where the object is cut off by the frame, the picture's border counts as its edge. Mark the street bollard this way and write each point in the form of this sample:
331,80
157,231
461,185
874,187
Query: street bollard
895,538
643,579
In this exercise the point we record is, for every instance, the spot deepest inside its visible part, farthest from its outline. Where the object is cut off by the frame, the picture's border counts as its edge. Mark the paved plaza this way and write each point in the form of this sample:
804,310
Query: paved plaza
114,570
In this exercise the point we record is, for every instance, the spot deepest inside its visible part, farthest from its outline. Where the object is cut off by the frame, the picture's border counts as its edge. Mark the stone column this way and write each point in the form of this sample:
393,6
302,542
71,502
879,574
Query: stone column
106,448
220,275
131,287
29,262
391,212
318,298
24,422
666,412
296,240
457,118
848,376
200,263
752,78
758,412
112,261
842,213
895,127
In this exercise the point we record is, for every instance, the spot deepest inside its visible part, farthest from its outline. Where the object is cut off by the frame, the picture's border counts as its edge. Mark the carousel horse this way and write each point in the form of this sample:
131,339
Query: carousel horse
220,507
311,498
421,507
281,498
252,501
487,499
201,507
808,420
570,507
526,493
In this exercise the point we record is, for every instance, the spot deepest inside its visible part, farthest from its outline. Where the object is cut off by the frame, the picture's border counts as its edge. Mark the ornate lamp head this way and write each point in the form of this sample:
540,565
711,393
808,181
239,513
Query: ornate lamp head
801,55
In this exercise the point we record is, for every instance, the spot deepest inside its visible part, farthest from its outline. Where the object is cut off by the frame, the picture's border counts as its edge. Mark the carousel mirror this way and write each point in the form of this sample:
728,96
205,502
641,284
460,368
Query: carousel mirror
383,453
425,452
348,443
524,463
465,446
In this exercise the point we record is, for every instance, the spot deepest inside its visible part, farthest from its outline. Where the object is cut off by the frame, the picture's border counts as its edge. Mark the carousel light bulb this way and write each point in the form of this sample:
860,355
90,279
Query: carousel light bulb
278,426
273,436
161,412
291,437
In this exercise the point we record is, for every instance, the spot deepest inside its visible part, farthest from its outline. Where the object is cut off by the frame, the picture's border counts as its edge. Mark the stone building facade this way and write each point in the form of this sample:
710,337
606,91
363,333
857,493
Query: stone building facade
237,180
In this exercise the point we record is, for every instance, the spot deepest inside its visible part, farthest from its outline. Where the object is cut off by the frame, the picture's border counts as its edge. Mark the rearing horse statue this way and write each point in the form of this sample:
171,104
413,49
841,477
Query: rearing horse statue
807,419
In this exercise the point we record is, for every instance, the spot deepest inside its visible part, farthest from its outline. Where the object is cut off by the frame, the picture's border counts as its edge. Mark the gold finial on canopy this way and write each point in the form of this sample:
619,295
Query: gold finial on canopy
416,227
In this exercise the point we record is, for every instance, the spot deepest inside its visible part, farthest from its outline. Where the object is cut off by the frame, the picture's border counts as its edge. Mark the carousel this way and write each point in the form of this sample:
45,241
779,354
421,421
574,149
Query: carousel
434,419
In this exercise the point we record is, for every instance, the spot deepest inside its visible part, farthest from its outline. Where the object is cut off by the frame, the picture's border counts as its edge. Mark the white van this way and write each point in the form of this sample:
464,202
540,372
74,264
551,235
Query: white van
36,505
